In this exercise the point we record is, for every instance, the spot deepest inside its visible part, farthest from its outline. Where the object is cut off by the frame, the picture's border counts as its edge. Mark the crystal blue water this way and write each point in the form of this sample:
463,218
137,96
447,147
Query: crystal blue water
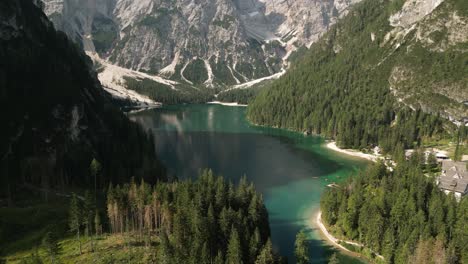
290,169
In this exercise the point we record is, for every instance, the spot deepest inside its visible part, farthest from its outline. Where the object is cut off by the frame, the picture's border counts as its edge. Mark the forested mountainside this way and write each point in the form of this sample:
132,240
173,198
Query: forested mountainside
375,76
211,42
401,215
56,117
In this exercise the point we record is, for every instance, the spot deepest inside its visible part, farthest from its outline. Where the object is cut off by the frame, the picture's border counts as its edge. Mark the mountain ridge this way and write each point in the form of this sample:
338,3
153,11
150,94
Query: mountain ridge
224,42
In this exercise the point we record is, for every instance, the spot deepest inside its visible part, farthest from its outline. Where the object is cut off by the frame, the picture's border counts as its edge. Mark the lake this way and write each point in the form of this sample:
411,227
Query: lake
290,170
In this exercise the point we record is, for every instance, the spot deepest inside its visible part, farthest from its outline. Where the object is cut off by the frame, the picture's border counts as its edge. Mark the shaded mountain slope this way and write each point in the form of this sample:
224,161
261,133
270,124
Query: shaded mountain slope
56,117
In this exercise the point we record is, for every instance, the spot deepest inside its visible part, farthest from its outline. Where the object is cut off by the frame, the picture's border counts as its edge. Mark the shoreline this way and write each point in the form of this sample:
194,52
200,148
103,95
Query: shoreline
315,221
334,241
226,104
323,230
372,157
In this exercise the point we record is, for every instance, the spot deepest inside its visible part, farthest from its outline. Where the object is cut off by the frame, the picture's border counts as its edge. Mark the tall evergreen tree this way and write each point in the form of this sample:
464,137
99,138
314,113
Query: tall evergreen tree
266,255
254,245
75,218
165,251
51,246
234,251
219,258
301,248
334,259
97,223
88,212
95,168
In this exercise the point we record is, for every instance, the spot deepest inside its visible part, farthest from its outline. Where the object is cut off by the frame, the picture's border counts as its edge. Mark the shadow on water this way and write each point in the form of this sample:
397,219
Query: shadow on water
265,160
290,169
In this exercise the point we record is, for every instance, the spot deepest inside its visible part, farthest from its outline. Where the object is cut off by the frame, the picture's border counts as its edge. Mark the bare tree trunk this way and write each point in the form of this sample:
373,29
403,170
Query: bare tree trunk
95,187
79,240
9,199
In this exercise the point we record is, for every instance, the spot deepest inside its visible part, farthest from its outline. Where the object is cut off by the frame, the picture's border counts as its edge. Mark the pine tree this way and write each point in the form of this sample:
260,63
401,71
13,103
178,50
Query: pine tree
212,227
95,168
34,258
266,255
51,246
301,248
431,163
334,259
97,223
254,245
74,221
234,251
88,212
461,231
219,258
220,195
165,254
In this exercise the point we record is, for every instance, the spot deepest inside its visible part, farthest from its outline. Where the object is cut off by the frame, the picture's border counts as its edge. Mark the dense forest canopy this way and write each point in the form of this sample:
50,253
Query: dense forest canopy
164,94
401,214
240,95
205,221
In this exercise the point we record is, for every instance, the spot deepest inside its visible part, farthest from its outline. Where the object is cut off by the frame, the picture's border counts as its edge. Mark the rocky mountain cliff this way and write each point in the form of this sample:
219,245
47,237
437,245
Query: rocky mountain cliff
209,42
432,74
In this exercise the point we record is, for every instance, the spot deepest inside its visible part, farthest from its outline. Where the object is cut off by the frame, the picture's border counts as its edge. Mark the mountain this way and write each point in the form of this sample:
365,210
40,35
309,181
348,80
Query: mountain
56,117
377,74
212,43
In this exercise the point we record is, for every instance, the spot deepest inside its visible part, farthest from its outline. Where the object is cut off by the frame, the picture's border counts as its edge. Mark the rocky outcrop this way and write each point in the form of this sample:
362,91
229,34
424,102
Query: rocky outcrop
413,11
439,27
304,20
209,42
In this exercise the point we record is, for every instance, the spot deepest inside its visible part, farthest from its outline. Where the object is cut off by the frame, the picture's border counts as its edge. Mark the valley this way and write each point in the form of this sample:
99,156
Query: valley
228,132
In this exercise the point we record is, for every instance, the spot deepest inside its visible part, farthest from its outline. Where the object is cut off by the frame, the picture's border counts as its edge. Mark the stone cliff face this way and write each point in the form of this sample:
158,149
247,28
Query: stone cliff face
209,42
305,20
441,28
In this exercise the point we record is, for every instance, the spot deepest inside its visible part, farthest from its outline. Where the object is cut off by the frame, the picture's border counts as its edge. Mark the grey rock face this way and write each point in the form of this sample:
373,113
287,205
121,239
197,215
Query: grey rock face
210,42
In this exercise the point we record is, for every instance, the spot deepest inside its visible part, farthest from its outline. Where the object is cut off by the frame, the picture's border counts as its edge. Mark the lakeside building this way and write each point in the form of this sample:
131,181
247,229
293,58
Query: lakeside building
454,178
440,155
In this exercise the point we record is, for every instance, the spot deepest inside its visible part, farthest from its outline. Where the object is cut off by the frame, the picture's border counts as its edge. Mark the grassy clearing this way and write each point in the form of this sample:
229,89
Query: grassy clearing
22,228
107,249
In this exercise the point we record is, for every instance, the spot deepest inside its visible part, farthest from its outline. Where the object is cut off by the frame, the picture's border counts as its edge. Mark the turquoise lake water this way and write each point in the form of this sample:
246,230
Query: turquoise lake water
290,170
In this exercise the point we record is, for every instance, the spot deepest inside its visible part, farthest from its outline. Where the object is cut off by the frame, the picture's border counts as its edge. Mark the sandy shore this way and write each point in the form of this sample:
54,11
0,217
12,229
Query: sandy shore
316,221
333,240
332,145
227,104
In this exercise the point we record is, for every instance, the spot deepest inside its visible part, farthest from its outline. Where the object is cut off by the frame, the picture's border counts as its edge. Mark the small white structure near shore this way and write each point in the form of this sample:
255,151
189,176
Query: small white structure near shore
441,156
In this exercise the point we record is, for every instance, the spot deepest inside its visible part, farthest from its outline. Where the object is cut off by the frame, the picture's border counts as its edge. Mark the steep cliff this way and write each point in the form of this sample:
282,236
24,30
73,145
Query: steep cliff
432,73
